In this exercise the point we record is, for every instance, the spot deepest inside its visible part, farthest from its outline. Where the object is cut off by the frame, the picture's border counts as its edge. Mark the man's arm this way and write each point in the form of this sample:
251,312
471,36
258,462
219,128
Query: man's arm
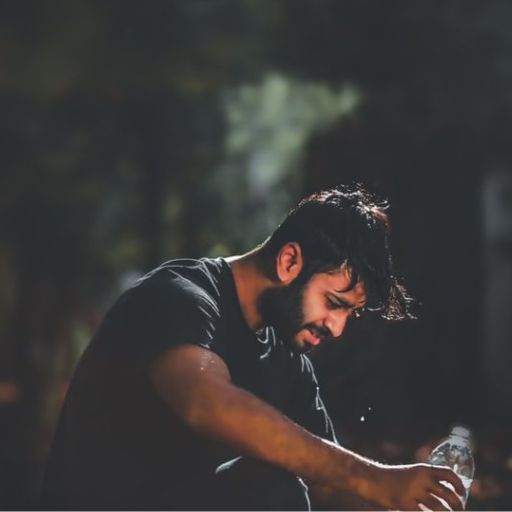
196,385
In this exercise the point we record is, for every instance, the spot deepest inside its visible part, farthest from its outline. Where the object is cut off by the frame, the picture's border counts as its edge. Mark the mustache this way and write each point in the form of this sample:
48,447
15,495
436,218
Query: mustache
320,332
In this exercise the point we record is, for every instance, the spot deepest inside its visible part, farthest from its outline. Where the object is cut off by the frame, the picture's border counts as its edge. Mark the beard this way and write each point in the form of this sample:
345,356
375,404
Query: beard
282,308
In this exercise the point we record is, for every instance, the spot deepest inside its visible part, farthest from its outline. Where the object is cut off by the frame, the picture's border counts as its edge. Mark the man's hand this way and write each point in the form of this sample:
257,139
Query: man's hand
406,487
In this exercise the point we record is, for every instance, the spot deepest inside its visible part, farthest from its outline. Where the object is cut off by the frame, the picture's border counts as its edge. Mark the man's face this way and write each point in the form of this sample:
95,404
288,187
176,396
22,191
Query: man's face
306,314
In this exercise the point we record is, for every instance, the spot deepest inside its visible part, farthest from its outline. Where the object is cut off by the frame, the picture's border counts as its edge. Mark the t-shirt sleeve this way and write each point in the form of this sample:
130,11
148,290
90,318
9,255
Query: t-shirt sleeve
161,312
307,406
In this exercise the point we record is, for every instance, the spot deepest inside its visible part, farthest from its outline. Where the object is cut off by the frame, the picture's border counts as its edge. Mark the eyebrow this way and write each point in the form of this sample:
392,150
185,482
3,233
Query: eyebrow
347,303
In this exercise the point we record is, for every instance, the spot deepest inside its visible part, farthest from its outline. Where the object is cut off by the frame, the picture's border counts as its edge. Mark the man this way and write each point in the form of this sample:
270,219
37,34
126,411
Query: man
196,393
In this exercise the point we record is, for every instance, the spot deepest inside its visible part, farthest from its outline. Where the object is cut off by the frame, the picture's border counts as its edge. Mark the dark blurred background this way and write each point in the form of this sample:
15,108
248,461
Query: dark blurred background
135,132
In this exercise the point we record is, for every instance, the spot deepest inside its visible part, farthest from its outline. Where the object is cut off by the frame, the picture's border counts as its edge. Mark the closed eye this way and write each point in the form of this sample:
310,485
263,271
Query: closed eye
336,303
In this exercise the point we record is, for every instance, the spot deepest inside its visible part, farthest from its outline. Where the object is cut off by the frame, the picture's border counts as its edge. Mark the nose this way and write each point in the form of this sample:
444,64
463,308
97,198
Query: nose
336,322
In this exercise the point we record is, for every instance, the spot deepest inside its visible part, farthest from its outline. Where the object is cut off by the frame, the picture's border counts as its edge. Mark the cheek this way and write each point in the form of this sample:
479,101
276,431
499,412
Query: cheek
313,309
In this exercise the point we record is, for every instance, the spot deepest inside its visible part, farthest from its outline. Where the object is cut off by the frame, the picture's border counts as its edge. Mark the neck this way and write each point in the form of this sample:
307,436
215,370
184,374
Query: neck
250,283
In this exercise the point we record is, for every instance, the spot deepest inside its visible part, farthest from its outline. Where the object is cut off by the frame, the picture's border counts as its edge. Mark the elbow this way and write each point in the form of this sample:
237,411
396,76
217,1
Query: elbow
211,414
193,416
199,413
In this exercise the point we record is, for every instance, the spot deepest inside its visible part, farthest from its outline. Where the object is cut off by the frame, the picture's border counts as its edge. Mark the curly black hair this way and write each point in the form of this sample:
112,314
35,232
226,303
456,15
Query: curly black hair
345,225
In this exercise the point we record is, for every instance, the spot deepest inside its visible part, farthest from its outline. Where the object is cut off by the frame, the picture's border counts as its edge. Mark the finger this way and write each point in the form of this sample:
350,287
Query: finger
432,503
454,500
450,476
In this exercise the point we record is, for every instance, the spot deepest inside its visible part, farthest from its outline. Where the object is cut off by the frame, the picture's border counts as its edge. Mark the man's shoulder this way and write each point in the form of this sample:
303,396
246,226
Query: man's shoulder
185,278
177,302
180,287
203,272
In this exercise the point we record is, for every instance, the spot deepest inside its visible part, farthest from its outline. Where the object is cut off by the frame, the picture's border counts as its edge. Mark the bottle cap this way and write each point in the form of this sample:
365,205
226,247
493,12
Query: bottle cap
461,431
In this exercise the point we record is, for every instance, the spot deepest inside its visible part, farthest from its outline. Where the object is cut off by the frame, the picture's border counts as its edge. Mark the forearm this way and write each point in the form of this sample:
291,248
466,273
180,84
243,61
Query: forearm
245,422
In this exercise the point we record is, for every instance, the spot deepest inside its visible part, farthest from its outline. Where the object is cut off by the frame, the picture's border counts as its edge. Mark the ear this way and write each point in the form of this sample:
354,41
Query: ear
289,262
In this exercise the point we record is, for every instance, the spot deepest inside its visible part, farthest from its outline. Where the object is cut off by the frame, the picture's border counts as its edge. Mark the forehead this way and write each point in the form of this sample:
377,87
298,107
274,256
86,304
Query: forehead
337,282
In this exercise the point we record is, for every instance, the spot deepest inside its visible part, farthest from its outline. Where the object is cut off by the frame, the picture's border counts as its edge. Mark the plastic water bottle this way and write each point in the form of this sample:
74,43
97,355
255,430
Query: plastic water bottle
455,452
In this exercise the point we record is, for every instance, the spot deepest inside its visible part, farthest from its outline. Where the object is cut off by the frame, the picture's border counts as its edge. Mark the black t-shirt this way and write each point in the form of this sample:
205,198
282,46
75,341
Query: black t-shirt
117,444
